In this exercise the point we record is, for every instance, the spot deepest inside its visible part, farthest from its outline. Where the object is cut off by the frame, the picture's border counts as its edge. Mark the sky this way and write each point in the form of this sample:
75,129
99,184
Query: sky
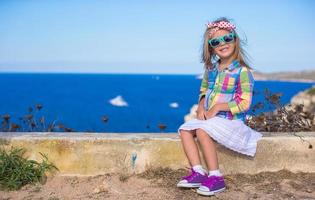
153,37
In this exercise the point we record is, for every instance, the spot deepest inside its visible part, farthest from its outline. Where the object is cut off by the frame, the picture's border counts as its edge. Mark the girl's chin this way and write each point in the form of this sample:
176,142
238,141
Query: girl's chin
224,55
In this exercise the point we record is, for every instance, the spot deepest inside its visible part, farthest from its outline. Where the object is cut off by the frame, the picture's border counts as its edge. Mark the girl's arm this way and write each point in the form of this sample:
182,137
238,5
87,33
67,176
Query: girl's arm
217,108
203,86
203,90
243,94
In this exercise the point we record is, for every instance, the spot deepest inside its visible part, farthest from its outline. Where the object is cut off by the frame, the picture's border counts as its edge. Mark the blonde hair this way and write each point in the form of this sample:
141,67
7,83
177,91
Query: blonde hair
208,54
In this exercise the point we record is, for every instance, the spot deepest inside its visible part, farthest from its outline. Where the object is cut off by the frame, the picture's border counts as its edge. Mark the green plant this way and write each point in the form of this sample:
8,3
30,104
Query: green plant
311,91
17,171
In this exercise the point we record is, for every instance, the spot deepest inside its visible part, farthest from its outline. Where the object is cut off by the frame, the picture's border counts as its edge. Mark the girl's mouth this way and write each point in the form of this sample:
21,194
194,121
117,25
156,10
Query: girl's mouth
224,49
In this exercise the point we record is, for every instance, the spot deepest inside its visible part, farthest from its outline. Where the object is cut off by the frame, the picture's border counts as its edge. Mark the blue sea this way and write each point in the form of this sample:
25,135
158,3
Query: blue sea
79,101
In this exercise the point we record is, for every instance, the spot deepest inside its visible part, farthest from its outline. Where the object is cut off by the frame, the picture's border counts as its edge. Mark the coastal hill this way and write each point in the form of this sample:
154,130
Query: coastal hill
299,76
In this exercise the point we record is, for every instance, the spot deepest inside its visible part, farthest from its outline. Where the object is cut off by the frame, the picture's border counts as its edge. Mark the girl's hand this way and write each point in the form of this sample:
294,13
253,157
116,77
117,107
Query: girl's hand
212,112
201,113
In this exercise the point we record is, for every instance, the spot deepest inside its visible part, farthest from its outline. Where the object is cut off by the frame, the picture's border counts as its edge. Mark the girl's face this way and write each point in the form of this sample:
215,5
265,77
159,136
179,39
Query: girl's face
224,50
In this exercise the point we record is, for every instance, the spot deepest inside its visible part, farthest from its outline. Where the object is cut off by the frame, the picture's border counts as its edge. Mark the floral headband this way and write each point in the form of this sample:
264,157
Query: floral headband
215,26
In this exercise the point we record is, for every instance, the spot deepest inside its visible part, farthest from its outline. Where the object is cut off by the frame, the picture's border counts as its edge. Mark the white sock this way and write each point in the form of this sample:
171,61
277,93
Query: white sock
215,173
199,169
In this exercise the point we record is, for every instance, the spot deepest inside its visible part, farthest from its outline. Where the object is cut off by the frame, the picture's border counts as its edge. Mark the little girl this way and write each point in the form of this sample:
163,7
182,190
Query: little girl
225,97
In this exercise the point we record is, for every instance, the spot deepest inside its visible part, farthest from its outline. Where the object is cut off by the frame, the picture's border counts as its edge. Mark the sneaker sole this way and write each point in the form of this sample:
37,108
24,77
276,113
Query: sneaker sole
209,193
189,185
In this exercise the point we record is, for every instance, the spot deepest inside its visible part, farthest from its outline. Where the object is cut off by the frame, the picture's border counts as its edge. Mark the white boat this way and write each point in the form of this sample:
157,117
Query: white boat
118,101
174,105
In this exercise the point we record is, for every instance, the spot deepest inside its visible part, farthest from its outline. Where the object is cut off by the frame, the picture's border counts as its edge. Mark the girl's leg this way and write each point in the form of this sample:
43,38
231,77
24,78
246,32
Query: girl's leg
198,175
215,182
190,147
208,149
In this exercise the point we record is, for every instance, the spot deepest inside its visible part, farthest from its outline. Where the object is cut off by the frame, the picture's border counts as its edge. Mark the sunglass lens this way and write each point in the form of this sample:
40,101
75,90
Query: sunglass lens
214,42
228,38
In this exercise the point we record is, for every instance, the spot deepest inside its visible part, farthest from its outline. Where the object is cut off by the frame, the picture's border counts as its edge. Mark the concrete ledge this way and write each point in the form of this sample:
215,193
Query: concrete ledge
99,153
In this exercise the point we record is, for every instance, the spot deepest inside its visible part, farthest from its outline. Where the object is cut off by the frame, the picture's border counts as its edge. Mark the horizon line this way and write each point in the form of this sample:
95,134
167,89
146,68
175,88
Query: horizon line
100,73
148,73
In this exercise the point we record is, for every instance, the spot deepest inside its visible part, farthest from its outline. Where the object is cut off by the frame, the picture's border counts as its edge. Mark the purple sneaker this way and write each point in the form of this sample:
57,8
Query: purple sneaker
193,180
212,185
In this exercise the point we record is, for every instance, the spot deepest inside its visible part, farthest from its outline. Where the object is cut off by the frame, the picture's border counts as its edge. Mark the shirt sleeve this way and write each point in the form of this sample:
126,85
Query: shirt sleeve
243,92
204,85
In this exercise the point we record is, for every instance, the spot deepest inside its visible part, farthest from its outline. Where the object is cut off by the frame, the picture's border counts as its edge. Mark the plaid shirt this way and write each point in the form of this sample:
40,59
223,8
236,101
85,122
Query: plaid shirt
234,85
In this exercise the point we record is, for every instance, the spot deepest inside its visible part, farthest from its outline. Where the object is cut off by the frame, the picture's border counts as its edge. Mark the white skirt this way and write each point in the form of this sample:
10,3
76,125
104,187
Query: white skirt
233,134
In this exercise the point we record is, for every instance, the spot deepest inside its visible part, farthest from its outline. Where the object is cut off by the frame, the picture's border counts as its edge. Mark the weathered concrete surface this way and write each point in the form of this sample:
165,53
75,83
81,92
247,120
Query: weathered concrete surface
99,153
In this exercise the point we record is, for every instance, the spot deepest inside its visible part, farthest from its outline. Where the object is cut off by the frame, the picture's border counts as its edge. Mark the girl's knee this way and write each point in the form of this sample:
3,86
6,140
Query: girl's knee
201,133
185,133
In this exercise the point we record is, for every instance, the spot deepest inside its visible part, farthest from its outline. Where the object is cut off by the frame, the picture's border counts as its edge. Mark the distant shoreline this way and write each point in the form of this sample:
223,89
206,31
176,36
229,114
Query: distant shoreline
288,80
306,76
